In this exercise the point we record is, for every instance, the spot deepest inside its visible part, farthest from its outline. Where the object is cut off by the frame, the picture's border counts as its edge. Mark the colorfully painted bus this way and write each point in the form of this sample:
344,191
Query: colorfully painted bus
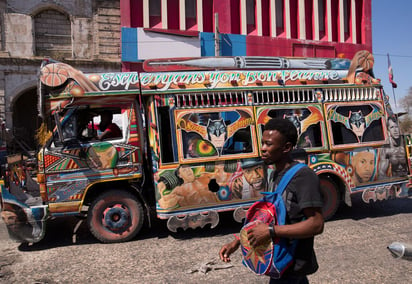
188,137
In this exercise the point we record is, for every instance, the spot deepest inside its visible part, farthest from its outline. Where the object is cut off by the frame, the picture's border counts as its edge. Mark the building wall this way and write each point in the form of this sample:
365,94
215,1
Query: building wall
83,33
312,28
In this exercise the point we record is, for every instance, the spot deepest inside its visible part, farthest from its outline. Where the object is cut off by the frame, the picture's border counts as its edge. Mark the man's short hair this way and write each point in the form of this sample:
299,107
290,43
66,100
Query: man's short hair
284,127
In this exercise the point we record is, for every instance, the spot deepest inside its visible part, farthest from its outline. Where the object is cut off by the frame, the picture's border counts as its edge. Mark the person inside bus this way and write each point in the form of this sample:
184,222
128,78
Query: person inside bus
108,129
363,164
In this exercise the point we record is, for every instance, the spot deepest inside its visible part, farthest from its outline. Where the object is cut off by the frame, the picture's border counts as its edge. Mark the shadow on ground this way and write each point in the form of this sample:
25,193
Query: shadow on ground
69,231
361,210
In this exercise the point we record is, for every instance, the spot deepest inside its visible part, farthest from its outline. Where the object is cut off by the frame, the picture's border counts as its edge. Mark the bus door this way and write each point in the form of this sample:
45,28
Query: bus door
81,154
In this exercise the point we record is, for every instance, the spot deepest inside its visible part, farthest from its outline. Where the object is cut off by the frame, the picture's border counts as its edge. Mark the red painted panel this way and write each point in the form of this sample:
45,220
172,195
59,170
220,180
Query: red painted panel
208,16
335,19
136,13
125,13
367,24
173,14
304,50
268,46
348,22
359,19
235,17
222,7
294,20
265,18
309,19
322,18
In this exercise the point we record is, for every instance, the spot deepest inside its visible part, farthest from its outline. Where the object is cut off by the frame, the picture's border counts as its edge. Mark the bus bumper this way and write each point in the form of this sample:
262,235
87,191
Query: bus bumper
24,223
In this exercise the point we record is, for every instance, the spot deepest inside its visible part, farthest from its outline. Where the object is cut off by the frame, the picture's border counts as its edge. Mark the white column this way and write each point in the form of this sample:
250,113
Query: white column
199,16
273,18
287,19
182,15
353,22
302,19
243,19
164,14
341,22
329,19
258,17
316,25
146,19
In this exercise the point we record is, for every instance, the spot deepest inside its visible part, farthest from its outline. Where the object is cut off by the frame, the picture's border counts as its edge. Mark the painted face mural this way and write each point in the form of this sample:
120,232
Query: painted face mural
363,164
392,157
357,123
217,132
251,180
185,188
212,183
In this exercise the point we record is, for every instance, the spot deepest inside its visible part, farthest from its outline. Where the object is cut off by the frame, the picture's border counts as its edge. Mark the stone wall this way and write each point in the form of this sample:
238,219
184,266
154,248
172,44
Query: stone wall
82,33
108,27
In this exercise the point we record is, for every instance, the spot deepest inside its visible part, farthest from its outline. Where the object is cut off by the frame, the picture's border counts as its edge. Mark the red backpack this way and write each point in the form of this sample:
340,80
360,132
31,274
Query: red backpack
271,258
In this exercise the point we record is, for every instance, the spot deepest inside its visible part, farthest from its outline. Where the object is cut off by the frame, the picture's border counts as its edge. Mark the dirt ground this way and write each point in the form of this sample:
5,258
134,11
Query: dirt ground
352,249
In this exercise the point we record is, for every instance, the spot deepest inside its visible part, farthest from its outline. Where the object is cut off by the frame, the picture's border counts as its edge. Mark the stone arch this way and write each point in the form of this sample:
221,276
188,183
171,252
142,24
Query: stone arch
24,115
52,32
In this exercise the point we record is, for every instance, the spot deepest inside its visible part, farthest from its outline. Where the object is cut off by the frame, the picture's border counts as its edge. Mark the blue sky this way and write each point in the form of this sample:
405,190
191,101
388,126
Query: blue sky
391,24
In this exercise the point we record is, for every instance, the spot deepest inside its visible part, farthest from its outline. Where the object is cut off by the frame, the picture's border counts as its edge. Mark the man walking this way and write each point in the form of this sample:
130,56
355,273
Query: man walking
304,213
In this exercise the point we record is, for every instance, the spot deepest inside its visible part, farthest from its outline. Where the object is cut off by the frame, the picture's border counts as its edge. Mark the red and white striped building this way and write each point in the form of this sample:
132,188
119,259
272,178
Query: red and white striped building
186,28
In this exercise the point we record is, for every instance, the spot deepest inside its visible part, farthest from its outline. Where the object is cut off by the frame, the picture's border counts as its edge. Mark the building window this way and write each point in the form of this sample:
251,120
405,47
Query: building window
191,14
359,16
322,18
346,18
279,10
52,34
309,14
155,16
251,16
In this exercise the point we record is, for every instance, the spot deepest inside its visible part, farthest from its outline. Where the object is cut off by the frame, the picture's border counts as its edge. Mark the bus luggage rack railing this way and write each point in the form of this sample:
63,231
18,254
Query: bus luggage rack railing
211,99
287,96
283,96
350,94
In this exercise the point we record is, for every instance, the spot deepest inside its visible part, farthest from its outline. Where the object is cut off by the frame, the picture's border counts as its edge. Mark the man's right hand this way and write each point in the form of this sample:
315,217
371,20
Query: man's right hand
228,249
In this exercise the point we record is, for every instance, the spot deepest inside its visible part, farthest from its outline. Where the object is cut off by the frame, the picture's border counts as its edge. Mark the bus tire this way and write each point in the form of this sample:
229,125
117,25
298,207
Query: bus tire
330,195
115,216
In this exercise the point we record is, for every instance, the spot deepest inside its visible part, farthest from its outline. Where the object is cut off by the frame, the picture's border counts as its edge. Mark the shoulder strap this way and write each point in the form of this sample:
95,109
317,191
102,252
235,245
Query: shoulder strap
287,177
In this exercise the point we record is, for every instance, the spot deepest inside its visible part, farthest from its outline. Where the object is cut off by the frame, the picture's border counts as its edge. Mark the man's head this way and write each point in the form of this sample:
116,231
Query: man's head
106,118
279,138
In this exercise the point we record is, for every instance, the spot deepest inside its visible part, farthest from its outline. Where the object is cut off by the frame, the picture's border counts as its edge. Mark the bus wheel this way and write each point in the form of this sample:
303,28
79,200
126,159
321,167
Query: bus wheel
330,195
115,216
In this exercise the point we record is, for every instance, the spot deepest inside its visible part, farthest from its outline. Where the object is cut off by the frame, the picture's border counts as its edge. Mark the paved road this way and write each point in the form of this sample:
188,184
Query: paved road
351,250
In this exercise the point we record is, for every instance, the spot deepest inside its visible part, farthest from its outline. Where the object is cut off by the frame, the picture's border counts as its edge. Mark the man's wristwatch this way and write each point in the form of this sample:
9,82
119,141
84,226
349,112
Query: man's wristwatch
272,232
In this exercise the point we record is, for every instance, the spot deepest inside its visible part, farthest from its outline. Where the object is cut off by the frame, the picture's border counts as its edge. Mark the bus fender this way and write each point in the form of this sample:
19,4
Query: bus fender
339,175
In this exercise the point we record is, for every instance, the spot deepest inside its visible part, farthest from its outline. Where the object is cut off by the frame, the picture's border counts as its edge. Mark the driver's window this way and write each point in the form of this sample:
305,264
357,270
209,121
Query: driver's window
85,125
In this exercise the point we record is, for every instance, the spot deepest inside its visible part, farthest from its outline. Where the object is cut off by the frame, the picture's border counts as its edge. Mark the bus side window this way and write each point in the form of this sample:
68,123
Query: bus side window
167,142
218,133
356,123
309,130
